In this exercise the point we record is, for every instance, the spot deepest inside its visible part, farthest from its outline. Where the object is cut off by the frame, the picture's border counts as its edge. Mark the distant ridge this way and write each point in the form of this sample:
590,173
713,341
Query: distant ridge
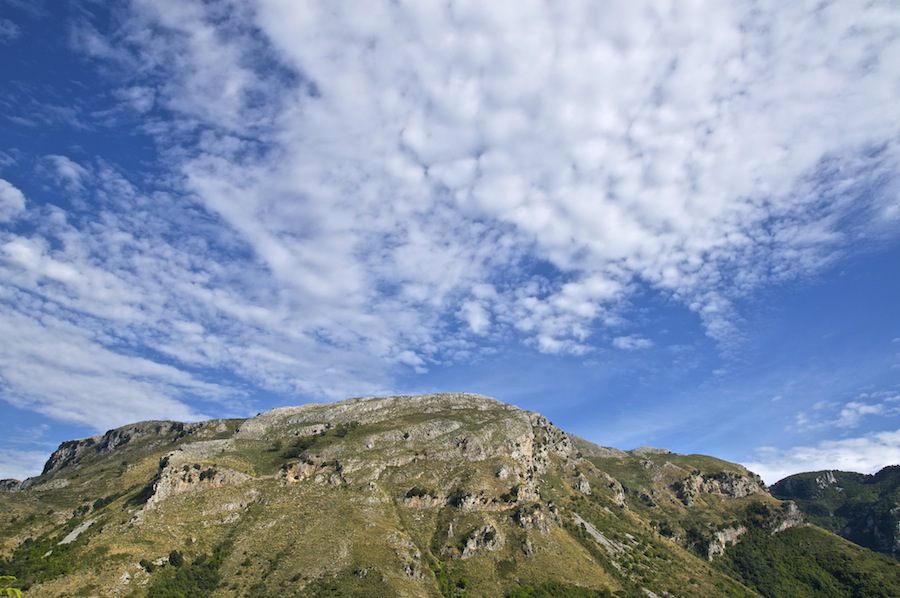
864,509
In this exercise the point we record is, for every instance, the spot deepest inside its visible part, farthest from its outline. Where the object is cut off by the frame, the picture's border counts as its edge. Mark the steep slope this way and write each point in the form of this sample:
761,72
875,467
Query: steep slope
864,509
449,494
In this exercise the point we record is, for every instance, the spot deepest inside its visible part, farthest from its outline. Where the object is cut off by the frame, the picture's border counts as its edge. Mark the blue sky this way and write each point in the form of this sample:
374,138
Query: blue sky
671,225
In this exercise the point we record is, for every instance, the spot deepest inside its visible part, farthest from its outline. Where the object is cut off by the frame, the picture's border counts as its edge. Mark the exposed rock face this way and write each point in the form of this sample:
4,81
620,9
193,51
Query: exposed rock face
532,517
483,539
581,484
73,452
790,517
9,485
611,546
73,535
723,483
825,480
179,472
724,538
615,486
643,451
317,469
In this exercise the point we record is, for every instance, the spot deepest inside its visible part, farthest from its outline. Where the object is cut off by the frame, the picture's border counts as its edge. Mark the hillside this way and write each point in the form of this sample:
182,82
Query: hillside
864,509
435,495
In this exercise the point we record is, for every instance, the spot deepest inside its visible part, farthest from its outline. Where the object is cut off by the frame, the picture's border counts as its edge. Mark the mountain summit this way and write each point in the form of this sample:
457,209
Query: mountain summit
435,495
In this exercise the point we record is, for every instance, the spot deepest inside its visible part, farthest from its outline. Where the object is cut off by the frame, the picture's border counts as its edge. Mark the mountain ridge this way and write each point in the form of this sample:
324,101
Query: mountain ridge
448,494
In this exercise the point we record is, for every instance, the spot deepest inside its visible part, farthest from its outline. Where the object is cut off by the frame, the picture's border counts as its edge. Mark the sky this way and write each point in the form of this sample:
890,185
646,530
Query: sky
673,224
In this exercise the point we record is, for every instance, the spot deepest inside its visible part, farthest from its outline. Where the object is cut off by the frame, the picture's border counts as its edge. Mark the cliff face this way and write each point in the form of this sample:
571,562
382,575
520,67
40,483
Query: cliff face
864,509
447,494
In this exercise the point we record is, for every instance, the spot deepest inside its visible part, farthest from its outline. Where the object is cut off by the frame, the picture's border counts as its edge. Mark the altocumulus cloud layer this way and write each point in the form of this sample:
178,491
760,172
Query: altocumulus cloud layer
348,191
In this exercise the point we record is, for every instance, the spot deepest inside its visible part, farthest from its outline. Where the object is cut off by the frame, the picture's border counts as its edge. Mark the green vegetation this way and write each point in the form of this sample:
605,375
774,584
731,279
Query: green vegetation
858,507
199,578
807,561
38,560
555,589
9,586
298,447
452,584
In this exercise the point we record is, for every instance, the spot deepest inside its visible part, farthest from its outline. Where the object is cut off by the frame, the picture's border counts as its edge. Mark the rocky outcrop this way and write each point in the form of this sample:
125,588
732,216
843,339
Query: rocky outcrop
789,517
724,538
10,485
179,473
317,469
646,451
73,535
582,484
826,479
611,546
73,452
724,483
484,539
549,440
618,492
532,516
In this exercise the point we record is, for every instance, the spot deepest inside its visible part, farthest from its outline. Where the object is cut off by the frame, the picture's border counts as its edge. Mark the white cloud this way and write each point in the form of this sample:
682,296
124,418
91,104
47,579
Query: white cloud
9,31
140,99
50,367
855,411
18,464
68,172
699,174
12,201
849,414
631,343
864,454
476,316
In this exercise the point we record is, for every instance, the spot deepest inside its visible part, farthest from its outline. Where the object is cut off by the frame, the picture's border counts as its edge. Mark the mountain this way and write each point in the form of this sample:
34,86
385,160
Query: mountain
435,495
864,509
